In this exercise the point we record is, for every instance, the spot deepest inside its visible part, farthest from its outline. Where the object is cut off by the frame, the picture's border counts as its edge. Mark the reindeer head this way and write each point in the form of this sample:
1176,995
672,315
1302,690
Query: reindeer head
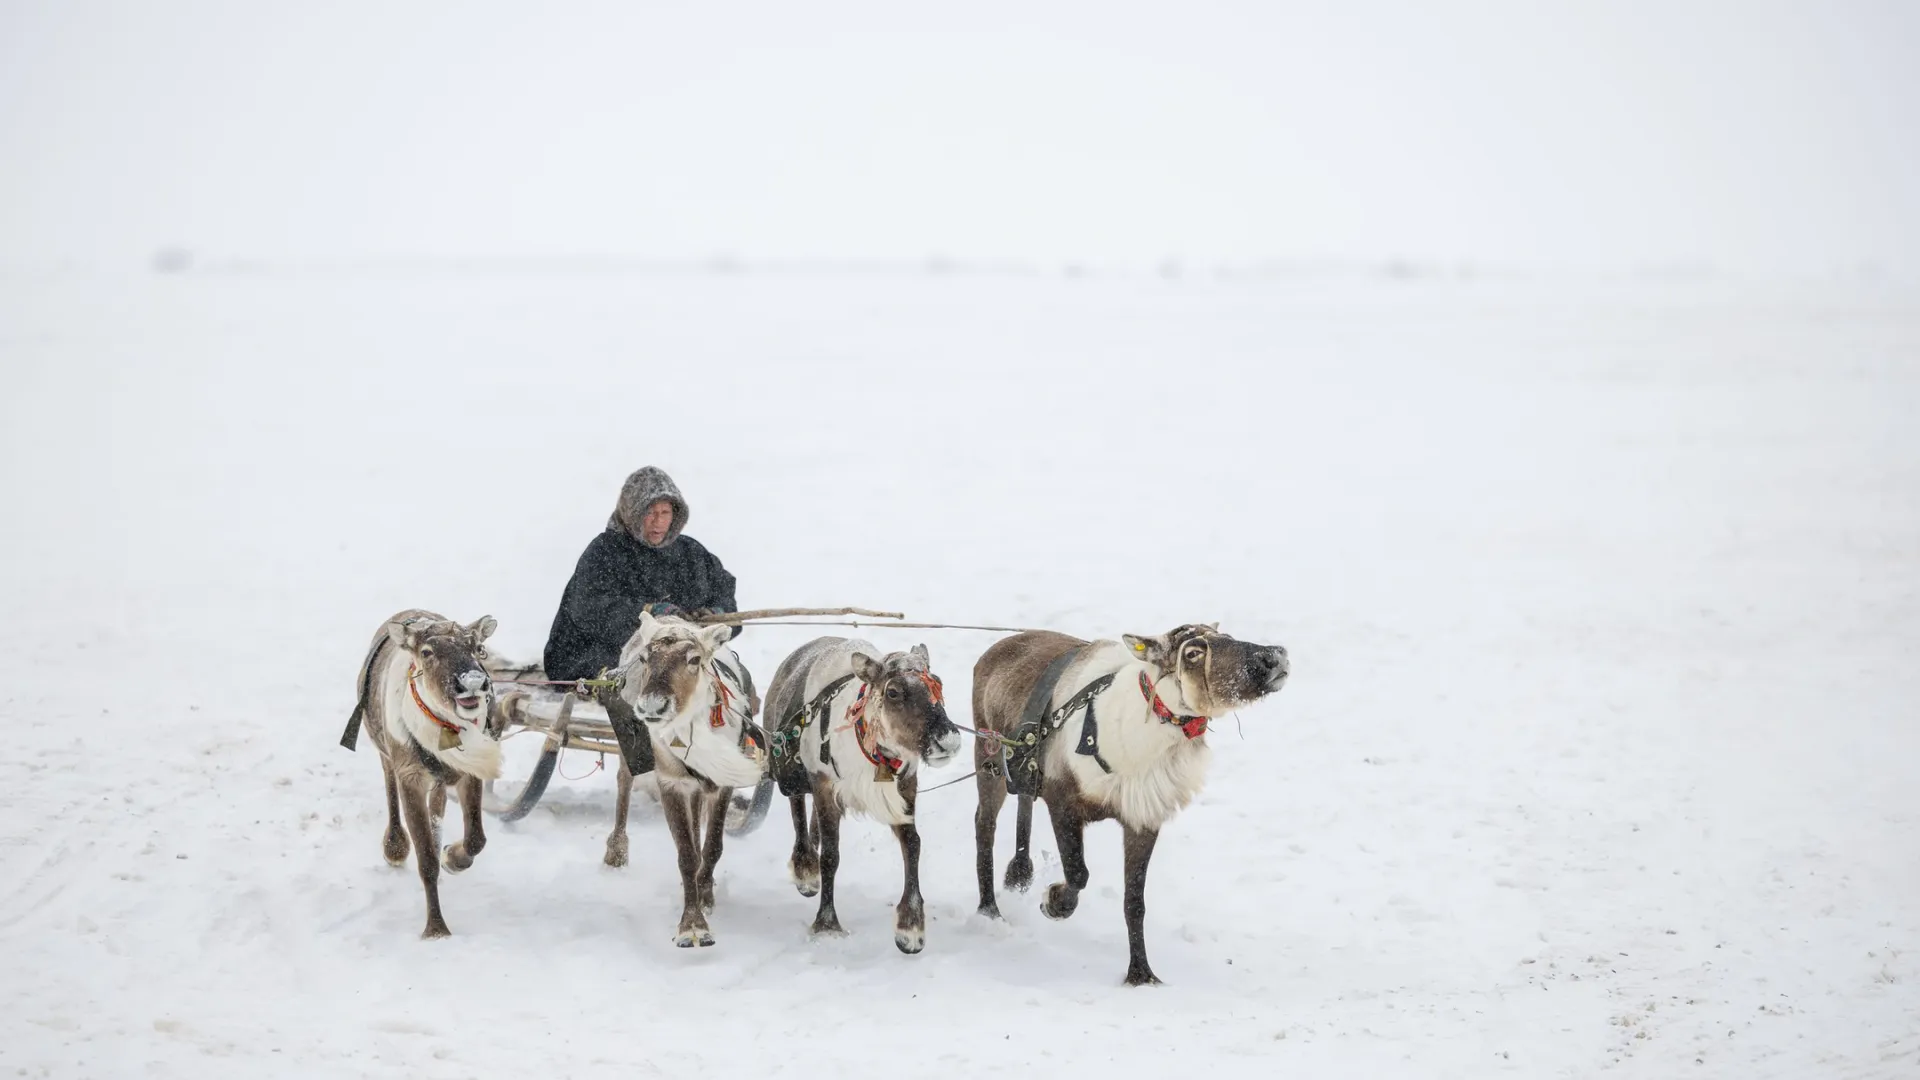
1215,671
904,707
447,662
666,664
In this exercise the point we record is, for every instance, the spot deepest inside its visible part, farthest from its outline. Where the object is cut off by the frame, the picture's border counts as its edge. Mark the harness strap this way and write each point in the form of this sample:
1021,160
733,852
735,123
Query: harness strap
1090,739
722,697
350,738
815,712
1020,752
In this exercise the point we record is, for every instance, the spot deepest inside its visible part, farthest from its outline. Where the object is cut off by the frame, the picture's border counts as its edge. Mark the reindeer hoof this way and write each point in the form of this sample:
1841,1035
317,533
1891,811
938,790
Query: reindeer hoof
616,854
394,848
910,941
454,859
1142,976
991,910
687,939
808,883
435,930
828,927
1019,874
1060,902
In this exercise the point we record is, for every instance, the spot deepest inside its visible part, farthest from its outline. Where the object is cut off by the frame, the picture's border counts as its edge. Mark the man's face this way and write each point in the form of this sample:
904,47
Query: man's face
658,520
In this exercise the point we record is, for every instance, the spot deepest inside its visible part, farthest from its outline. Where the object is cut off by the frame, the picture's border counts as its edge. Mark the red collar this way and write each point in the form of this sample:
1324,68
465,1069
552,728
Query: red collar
857,712
877,756
417,700
1191,726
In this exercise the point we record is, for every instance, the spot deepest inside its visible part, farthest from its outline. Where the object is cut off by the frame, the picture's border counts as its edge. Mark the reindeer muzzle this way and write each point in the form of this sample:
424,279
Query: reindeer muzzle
1268,667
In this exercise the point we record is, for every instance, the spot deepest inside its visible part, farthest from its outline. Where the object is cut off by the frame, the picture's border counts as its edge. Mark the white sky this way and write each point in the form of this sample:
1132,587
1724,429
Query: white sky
1742,134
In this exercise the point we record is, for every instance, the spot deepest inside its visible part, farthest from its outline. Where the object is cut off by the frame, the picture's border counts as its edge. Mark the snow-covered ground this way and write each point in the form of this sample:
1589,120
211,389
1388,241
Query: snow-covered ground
1599,755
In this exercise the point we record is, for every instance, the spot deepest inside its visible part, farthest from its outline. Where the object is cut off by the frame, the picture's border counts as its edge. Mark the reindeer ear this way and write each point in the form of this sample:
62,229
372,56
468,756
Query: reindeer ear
867,669
404,634
921,652
712,637
482,628
1153,650
648,624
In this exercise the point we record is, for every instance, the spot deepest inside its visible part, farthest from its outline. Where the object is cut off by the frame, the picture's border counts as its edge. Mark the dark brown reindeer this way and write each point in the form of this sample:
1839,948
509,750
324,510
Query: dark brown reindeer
854,733
1131,717
428,707
695,711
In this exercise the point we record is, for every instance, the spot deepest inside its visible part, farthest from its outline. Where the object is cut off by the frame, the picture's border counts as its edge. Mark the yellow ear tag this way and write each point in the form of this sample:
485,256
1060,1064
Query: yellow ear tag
1140,647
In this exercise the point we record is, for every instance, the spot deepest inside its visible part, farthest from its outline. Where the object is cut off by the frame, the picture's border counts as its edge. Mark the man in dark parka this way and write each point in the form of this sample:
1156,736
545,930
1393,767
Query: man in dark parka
642,561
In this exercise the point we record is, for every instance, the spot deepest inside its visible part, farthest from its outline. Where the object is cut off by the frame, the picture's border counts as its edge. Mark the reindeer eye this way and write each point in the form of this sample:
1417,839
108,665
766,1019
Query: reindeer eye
426,652
893,693
1194,656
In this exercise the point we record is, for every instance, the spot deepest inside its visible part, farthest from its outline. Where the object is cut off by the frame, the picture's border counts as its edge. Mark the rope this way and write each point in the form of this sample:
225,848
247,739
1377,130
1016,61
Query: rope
991,736
900,625
578,686
598,764
950,783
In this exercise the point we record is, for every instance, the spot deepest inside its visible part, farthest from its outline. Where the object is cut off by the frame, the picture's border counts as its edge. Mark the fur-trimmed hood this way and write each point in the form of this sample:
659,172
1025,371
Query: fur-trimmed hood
644,488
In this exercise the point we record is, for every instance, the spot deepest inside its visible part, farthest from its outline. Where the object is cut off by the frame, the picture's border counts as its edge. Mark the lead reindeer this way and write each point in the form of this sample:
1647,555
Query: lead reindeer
1138,752
854,733
427,703
696,713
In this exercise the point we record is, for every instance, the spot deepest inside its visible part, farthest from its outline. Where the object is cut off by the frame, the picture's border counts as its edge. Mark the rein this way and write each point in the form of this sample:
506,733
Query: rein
582,687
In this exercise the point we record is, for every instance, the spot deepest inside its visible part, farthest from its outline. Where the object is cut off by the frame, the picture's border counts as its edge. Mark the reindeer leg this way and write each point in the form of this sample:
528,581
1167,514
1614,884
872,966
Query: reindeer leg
910,918
413,804
437,800
617,840
826,813
394,846
1020,867
681,822
716,815
473,835
1069,832
1139,849
986,822
804,865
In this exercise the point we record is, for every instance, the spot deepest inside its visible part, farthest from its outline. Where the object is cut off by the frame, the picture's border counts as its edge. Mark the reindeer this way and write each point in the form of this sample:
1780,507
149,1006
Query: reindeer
1139,753
704,742
735,676
428,706
854,733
